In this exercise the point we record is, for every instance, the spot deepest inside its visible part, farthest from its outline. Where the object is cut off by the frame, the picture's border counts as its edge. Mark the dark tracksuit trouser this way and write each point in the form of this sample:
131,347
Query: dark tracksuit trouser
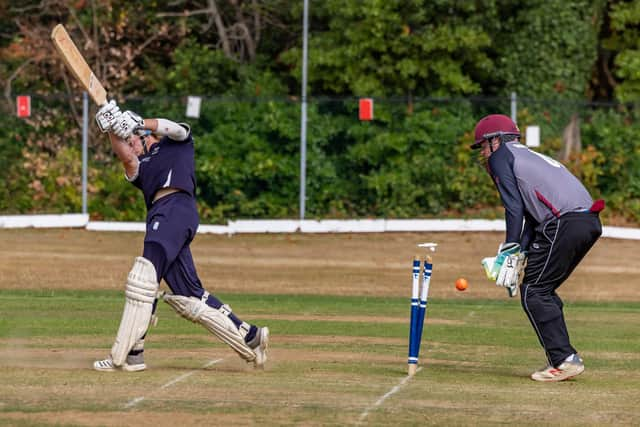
556,250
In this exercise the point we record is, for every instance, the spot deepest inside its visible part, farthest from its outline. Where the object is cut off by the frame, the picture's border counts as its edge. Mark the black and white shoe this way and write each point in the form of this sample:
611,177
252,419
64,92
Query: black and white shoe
132,364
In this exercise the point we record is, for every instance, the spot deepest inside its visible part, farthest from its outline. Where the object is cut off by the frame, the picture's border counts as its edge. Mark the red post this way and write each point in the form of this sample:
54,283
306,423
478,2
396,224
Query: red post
23,106
365,111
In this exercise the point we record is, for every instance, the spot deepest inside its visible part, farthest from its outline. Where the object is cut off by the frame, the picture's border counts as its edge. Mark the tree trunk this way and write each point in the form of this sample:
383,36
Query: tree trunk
571,142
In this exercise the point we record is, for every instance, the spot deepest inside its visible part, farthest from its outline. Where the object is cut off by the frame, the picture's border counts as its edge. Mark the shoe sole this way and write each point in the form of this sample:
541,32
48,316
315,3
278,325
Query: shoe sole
134,368
101,369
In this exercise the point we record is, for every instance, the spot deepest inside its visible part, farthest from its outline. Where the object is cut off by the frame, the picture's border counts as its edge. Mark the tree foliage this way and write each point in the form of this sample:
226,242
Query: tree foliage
623,38
398,47
547,49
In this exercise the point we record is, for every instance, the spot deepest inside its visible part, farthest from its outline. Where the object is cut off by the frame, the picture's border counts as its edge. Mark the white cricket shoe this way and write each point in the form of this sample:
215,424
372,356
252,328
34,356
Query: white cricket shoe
259,345
571,367
132,364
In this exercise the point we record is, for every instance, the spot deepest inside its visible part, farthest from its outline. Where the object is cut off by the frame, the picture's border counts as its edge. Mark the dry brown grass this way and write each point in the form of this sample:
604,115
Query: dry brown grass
332,264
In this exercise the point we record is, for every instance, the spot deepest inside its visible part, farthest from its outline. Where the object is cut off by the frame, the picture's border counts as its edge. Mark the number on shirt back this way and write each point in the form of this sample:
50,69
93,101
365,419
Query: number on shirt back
547,159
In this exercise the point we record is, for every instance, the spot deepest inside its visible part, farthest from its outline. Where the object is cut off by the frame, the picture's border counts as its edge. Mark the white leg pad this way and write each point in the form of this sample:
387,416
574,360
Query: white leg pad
140,293
216,321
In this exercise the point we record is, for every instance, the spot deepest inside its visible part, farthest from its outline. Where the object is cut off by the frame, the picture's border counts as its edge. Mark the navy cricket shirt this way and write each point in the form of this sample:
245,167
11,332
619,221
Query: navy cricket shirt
169,163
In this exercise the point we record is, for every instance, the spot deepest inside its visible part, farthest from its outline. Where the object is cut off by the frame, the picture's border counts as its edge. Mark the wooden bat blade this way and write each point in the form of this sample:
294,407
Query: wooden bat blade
77,65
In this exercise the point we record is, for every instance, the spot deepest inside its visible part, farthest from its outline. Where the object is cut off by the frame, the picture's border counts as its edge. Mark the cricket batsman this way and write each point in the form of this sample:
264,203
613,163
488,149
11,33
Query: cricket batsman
551,223
158,158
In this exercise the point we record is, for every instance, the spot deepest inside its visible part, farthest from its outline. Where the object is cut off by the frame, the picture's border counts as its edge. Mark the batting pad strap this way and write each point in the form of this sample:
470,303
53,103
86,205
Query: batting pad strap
214,320
225,309
140,294
244,329
205,296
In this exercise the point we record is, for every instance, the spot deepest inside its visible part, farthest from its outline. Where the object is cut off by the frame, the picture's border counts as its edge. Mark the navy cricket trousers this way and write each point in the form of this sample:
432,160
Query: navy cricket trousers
556,250
172,223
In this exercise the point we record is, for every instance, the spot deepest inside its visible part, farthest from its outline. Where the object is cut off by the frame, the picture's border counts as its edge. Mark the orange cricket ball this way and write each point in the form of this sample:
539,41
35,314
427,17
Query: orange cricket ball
462,284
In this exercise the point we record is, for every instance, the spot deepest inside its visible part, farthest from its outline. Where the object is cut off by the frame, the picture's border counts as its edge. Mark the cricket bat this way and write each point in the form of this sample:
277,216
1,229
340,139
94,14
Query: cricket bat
77,65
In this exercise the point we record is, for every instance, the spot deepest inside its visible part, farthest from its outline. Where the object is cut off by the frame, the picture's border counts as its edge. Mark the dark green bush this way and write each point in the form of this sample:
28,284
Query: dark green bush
412,161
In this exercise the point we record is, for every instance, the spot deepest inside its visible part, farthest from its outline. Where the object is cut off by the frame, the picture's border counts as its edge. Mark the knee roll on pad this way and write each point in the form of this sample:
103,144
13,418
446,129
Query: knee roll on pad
216,321
140,294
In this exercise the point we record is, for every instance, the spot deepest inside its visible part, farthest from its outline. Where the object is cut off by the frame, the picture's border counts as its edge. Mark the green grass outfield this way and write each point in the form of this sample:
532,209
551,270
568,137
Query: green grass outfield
333,361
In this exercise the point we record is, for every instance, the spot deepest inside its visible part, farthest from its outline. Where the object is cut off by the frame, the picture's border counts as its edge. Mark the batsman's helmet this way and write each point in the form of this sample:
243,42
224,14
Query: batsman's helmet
494,125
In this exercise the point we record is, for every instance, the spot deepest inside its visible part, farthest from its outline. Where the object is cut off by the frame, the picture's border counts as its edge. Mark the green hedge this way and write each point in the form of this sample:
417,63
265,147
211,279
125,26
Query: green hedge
412,161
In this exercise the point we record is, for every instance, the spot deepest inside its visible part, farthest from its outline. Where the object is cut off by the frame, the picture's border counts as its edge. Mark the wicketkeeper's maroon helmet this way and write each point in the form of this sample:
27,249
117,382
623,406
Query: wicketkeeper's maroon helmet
494,125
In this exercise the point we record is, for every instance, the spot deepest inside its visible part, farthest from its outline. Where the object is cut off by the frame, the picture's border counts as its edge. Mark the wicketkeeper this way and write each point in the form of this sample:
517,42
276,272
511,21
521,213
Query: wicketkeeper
551,223
158,158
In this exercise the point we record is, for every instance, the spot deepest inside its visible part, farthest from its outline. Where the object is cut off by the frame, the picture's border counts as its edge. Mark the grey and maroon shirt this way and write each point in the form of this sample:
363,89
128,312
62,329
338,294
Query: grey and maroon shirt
533,188
168,163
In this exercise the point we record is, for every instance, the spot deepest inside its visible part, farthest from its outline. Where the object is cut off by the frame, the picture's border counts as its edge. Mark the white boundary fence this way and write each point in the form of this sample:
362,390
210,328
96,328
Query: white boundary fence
290,226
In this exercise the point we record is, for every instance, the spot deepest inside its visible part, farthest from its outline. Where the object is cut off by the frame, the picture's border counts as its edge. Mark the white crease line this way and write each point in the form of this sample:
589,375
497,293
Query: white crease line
134,402
395,389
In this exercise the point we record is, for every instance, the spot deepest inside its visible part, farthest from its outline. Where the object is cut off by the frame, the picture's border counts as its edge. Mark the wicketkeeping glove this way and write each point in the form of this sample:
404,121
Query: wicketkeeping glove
504,250
126,123
107,115
512,273
507,267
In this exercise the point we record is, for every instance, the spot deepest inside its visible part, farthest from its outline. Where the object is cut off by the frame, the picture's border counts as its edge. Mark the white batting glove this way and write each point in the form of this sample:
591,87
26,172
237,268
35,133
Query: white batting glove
107,115
126,124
